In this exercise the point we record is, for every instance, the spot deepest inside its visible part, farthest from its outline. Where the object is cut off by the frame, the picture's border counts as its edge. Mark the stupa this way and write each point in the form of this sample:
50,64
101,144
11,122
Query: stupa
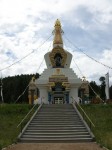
58,82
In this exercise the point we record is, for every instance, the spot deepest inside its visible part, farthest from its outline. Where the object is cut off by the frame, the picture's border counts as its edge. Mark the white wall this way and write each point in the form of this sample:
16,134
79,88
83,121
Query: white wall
73,93
68,60
44,95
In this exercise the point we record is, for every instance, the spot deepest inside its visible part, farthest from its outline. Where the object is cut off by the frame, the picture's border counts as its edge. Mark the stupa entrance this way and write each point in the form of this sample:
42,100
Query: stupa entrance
58,100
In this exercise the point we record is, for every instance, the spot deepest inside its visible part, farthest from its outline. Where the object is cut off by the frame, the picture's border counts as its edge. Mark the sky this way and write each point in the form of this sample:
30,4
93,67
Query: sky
26,29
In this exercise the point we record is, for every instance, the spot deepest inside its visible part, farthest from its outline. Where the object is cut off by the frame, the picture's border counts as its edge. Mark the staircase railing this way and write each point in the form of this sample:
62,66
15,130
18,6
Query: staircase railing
21,123
84,114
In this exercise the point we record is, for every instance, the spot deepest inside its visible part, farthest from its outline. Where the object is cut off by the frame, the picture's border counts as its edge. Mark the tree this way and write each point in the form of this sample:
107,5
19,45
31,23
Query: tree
95,87
14,86
110,91
102,88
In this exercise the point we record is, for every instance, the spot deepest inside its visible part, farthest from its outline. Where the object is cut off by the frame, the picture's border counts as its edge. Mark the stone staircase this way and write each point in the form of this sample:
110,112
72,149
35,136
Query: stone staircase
56,123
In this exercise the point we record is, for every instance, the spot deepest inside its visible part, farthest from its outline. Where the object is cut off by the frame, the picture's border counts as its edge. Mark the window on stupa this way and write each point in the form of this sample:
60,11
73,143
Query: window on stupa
58,60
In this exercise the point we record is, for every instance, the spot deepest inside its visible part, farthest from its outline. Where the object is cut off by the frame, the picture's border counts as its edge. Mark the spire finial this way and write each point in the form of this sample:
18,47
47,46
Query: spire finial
57,23
57,34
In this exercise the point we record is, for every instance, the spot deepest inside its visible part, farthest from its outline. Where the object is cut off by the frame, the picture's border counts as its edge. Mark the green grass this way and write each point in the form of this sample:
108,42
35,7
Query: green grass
12,114
101,116
10,117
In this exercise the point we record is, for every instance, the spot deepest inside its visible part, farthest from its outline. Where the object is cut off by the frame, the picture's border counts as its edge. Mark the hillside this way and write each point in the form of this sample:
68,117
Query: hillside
101,116
11,115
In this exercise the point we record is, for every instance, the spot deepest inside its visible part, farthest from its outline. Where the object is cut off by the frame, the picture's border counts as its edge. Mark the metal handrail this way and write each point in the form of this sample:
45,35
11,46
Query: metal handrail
26,115
84,112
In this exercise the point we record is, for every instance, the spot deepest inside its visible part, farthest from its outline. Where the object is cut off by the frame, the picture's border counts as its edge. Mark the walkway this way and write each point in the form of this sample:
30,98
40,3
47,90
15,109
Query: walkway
55,146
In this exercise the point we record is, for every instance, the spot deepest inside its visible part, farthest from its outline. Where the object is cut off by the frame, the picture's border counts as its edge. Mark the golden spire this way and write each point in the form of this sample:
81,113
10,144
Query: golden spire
57,34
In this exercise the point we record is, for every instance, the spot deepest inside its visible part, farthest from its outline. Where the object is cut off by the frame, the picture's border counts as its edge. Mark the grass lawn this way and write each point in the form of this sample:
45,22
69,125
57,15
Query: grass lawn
101,116
10,117
12,114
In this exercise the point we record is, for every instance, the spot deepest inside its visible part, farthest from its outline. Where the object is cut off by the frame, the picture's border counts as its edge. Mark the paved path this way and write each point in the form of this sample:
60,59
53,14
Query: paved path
55,146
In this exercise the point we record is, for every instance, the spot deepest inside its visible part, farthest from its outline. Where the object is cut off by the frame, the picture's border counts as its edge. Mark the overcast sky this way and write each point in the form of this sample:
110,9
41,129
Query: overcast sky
26,24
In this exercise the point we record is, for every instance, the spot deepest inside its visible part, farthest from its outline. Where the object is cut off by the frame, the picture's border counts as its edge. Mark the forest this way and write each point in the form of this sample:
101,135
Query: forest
15,85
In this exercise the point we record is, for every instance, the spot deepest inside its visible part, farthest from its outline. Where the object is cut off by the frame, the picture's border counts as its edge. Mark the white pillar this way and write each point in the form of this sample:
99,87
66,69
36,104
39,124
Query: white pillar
44,95
107,86
74,94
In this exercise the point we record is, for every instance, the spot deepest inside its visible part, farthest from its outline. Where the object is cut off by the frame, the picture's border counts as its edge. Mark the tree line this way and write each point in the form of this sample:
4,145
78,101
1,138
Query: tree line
15,85
99,89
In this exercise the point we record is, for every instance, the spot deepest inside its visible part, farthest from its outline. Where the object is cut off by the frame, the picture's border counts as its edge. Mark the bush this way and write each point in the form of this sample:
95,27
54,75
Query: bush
96,100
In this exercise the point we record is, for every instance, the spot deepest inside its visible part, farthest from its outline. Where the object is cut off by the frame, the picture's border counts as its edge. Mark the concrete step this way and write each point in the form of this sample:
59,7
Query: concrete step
57,130
52,107
57,115
57,110
56,133
55,136
56,118
56,123
54,140
57,105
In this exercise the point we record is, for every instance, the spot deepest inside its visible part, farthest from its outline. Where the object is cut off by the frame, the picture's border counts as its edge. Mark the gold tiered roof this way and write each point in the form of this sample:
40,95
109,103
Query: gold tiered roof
58,45
57,34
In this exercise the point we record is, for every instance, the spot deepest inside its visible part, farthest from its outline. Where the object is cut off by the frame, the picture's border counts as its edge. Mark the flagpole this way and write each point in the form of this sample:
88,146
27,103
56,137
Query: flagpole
107,86
2,89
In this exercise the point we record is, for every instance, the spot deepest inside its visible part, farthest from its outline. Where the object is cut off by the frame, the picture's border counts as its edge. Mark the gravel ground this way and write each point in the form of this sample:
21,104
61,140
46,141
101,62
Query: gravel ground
55,146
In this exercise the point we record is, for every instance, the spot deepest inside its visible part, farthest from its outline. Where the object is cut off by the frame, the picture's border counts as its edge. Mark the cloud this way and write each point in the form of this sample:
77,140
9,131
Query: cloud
91,69
25,24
